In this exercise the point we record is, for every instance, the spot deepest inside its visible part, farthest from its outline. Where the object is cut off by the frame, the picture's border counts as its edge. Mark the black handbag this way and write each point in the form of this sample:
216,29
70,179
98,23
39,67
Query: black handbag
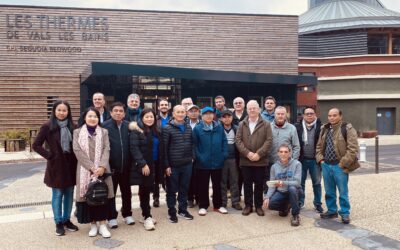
97,193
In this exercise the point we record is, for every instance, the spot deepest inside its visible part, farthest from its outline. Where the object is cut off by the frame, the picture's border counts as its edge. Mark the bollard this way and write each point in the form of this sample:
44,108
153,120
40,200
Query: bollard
363,151
376,154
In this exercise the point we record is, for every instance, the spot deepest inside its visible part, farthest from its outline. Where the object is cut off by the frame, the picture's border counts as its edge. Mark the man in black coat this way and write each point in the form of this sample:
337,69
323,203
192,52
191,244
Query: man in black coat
308,130
178,157
120,163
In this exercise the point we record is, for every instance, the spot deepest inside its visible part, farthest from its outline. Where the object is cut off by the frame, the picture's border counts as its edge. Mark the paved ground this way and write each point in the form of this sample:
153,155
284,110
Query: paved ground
375,223
26,218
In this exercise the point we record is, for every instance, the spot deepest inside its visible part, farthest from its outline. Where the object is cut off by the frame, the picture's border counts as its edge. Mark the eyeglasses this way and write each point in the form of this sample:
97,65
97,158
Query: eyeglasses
309,113
237,103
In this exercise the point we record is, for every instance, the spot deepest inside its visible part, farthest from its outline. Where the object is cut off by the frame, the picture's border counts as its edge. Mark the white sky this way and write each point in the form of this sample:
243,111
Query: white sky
292,7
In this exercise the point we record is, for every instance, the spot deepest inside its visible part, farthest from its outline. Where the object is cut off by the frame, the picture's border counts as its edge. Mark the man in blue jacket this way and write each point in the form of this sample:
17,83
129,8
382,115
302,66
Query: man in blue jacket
211,150
120,163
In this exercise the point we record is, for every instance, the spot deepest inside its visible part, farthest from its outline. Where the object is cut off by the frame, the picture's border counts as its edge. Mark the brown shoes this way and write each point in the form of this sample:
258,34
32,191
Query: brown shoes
237,206
259,211
247,210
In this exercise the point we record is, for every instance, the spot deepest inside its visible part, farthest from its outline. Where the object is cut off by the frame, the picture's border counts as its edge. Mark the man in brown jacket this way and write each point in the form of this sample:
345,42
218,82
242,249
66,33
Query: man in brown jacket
336,152
253,140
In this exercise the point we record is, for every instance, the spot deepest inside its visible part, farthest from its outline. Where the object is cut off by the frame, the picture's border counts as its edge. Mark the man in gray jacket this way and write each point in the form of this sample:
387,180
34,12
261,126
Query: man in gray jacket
285,186
282,133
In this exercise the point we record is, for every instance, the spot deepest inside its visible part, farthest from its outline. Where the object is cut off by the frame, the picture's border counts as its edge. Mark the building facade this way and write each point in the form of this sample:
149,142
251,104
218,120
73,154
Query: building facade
353,47
48,53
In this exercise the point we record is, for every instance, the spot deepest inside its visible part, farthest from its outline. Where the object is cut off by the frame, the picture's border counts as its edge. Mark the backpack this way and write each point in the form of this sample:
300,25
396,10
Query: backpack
97,193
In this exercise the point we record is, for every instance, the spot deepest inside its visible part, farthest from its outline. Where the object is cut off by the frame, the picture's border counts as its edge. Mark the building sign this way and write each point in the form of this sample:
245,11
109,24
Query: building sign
35,28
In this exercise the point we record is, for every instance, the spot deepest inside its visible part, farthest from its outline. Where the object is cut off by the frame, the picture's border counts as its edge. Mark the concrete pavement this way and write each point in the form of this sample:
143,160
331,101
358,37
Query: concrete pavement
375,222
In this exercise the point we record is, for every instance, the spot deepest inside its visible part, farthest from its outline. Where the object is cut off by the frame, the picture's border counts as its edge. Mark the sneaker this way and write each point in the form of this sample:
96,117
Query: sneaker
185,215
113,223
345,219
190,204
328,215
247,210
142,220
237,206
319,209
128,220
93,230
202,211
172,218
156,202
221,210
60,231
295,220
103,230
70,227
149,224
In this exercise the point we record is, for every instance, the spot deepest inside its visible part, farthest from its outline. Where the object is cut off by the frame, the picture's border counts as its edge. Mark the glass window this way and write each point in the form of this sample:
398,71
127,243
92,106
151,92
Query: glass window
396,44
377,44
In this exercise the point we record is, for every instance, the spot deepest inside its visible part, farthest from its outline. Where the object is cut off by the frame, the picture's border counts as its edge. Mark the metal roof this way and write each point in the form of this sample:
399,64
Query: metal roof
346,14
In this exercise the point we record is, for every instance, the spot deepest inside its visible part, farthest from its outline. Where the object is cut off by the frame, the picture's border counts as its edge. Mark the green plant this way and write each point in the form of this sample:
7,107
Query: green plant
16,134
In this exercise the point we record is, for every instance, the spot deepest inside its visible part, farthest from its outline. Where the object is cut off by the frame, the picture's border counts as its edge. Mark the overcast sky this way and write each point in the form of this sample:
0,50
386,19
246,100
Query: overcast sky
292,7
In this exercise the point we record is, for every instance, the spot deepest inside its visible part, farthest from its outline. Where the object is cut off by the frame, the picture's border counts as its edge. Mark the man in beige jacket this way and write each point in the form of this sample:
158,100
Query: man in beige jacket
336,152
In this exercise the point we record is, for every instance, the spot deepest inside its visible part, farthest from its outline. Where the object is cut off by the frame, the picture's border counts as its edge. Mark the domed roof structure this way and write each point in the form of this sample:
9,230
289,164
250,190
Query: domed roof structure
330,15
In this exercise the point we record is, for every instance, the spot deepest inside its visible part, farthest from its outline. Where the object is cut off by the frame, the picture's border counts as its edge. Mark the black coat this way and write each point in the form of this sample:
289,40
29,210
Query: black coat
141,147
177,146
236,120
119,145
299,128
61,168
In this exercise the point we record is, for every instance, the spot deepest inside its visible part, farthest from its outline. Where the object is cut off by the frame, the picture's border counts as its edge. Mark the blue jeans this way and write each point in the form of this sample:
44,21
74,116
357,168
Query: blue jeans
315,173
279,201
178,182
334,176
61,202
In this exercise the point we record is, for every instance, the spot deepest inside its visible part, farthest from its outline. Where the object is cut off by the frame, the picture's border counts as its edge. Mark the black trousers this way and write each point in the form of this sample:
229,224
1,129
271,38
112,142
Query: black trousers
123,180
203,184
192,194
144,198
253,175
157,181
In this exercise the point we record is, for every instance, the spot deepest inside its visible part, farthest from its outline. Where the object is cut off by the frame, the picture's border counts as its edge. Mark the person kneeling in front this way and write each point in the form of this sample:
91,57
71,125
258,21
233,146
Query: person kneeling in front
284,186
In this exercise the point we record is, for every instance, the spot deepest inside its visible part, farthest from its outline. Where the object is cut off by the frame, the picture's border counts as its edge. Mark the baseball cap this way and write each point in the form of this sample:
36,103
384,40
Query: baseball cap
207,109
226,112
193,106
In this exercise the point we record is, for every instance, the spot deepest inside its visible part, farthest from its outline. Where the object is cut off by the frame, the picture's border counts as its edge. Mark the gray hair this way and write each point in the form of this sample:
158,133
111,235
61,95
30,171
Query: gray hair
133,96
238,98
281,107
252,102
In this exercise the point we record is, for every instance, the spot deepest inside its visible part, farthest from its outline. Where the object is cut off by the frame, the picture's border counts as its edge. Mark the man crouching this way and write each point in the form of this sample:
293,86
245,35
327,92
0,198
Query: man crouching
284,186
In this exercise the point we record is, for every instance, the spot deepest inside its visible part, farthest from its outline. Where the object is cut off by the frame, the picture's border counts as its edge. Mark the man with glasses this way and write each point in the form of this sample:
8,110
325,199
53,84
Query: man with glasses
308,131
239,111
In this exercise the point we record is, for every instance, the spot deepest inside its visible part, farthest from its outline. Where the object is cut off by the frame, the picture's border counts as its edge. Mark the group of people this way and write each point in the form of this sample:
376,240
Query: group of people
235,149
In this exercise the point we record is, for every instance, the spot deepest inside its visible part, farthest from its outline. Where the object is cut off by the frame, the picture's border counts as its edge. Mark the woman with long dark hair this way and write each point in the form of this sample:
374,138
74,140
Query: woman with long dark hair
92,149
61,163
145,150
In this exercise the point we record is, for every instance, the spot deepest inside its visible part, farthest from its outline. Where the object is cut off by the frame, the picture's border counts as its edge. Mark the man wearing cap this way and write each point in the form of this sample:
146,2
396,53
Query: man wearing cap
253,140
193,113
230,170
210,153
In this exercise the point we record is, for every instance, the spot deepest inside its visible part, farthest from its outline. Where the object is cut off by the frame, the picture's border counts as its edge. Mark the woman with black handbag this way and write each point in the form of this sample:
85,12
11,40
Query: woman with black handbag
92,149
145,150
61,163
